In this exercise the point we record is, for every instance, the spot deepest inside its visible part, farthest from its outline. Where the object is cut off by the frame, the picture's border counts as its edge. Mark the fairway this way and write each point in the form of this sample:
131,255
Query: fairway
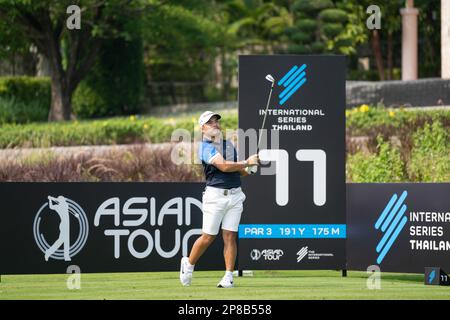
263,285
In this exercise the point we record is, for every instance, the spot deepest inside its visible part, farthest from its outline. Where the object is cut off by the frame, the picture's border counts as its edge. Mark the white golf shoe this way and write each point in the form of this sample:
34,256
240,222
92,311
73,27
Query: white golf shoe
185,272
226,282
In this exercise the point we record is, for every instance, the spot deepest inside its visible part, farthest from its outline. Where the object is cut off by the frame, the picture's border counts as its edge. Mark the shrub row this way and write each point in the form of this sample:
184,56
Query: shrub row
121,130
429,159
24,99
370,121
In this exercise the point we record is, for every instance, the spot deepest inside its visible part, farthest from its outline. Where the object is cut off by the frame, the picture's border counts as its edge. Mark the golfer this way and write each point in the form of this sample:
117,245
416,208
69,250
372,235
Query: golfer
222,199
61,207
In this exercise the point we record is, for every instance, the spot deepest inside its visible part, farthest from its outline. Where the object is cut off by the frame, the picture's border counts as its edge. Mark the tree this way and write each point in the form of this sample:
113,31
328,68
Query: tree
12,44
180,42
114,84
249,26
323,26
390,26
43,23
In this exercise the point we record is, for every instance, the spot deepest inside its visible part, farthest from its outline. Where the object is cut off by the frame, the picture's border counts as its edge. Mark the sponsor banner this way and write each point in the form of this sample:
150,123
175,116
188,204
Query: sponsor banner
401,227
302,180
101,227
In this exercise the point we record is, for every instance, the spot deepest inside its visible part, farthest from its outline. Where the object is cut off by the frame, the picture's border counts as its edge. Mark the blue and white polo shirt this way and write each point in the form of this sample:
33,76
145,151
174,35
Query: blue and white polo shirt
214,177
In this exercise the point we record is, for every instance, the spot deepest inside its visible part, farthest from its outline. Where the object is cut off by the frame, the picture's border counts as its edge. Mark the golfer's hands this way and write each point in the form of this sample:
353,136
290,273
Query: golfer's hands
253,160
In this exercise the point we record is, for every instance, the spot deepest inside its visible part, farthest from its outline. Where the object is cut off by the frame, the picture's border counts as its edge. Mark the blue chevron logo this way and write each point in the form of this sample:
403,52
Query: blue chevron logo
392,221
431,276
292,81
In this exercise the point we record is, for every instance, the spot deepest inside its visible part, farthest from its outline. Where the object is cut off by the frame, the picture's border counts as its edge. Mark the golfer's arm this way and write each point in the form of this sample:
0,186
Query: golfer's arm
50,202
243,173
227,166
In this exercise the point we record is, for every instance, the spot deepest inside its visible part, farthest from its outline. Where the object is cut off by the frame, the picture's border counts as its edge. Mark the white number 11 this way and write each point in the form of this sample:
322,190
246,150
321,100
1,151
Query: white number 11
281,157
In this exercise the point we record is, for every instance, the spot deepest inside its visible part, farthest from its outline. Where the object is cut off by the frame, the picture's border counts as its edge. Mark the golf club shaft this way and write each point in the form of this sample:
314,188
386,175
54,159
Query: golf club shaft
253,169
264,119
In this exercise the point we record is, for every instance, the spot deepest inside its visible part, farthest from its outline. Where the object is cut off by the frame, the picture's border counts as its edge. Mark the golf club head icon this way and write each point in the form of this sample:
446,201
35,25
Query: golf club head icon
270,78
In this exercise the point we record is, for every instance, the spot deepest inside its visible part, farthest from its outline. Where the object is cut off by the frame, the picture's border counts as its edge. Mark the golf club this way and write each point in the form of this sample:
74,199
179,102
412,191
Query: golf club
270,78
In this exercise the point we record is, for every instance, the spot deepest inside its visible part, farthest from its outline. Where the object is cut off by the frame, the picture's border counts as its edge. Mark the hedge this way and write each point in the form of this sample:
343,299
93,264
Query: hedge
121,130
24,99
427,161
372,121
26,89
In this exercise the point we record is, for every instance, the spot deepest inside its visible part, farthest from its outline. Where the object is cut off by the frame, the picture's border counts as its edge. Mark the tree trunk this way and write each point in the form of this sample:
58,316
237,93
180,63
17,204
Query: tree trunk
390,56
61,101
60,108
376,47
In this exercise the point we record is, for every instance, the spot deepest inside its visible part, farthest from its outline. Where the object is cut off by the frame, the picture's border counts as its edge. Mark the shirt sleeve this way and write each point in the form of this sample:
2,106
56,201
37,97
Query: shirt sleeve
231,156
207,152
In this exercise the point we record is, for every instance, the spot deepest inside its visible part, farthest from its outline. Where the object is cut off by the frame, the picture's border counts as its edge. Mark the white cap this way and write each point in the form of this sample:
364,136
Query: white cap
205,116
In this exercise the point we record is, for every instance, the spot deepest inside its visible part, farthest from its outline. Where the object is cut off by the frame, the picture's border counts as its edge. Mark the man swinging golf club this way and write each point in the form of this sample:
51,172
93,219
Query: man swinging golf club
222,199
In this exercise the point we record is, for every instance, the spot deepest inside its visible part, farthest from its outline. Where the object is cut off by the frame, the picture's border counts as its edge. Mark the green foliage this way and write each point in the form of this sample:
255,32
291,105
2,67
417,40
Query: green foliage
114,86
322,27
12,41
312,5
178,41
24,99
302,37
365,120
14,111
122,130
317,47
423,142
37,20
333,15
430,38
298,49
331,30
87,102
430,157
212,94
26,89
385,166
307,25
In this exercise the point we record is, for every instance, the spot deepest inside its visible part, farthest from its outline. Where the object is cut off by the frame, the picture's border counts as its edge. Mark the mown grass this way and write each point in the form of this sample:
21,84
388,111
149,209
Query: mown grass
264,285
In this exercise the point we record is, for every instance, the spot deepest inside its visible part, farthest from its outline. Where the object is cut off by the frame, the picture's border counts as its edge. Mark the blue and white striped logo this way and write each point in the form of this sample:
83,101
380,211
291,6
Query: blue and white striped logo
392,221
292,81
431,276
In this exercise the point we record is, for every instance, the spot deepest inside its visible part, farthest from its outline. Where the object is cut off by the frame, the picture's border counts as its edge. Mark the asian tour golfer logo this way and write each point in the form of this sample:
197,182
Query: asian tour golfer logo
292,81
61,249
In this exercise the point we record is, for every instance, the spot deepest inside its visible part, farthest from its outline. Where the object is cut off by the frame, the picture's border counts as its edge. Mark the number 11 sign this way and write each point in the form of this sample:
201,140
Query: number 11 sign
295,202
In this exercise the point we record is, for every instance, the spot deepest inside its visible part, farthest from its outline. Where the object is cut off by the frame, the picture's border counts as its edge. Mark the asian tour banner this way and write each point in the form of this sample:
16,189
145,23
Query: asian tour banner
100,227
294,215
400,227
